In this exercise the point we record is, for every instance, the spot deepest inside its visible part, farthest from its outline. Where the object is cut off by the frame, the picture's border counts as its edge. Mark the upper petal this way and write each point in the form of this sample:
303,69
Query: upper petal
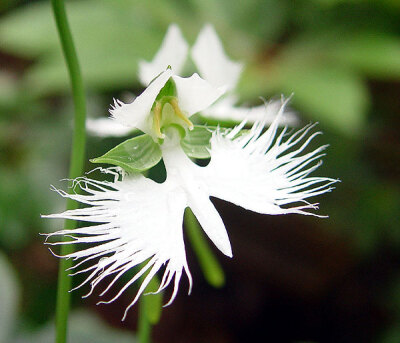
173,52
138,222
195,94
264,172
135,114
212,62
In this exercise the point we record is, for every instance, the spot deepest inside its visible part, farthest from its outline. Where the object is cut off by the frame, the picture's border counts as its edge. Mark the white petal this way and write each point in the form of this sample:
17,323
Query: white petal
106,127
212,62
195,94
135,114
225,109
138,222
209,219
173,52
263,172
183,171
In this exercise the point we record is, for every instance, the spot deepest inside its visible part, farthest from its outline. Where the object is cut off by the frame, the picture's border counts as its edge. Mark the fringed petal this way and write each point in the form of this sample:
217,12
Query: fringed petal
138,223
265,172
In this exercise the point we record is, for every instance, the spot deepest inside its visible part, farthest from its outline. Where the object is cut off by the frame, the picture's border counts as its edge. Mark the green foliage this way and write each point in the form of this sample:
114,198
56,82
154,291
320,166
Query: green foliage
330,95
109,43
141,153
134,155
326,91
374,54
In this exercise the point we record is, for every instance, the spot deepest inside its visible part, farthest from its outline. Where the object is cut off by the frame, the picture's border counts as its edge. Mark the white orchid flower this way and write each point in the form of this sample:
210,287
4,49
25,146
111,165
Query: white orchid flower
213,65
138,222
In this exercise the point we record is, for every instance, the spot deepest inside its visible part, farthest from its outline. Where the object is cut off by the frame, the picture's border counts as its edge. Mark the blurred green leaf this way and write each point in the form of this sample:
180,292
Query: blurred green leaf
333,96
109,42
9,90
134,155
9,290
264,19
376,54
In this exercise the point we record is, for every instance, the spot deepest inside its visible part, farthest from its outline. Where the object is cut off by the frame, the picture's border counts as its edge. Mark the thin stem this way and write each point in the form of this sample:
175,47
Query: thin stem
144,325
76,162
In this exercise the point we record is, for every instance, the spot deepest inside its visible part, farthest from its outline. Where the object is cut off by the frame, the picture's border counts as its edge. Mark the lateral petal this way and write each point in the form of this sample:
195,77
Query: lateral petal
263,172
195,94
212,62
172,52
138,222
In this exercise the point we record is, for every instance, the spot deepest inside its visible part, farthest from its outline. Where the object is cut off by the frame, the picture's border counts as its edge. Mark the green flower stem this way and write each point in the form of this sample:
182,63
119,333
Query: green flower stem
150,307
76,163
144,325
212,270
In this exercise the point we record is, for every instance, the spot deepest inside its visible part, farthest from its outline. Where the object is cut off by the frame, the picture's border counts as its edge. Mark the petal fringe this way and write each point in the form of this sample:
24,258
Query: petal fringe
138,223
266,172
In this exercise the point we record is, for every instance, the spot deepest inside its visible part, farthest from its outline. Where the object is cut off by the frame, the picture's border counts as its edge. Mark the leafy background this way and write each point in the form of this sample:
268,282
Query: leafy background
292,279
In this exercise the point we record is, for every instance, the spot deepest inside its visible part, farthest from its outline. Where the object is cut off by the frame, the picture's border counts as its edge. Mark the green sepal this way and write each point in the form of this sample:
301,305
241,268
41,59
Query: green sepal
196,143
134,155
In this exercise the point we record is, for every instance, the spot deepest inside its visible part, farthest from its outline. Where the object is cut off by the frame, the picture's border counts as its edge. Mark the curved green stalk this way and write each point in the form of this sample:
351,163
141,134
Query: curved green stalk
144,325
76,163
